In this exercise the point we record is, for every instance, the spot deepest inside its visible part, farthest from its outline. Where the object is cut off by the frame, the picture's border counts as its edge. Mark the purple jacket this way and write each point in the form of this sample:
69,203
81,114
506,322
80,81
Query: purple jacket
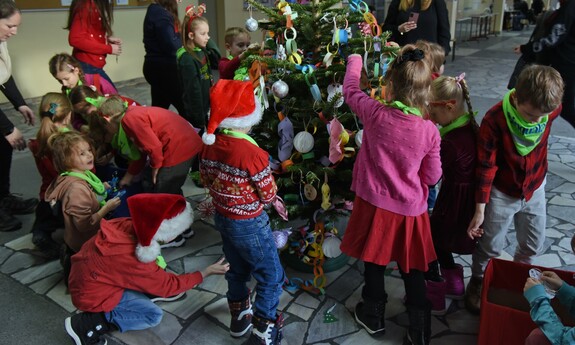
399,155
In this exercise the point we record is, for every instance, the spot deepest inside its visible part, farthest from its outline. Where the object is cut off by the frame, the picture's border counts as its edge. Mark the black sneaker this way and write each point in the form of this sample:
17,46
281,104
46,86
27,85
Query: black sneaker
49,248
87,328
17,205
176,242
188,233
242,314
173,298
8,222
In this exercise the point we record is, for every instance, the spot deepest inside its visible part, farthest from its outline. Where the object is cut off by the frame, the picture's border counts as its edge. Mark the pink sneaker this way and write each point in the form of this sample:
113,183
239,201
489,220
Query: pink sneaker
454,279
435,293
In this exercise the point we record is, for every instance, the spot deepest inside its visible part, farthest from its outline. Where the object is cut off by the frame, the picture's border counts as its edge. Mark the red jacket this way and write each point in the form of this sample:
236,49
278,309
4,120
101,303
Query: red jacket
107,265
45,167
228,67
166,137
87,36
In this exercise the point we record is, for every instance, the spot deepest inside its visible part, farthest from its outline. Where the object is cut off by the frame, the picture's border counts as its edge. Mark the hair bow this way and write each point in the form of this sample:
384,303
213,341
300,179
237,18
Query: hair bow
50,112
459,78
97,102
414,55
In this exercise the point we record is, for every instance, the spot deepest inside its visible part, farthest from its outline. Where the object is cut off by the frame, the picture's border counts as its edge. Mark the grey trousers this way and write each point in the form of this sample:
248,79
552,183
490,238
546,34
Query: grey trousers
529,219
169,180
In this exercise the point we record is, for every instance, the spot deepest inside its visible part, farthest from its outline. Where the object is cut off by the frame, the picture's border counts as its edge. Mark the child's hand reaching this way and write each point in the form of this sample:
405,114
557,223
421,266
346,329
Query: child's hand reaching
552,280
109,206
475,233
252,48
217,268
529,283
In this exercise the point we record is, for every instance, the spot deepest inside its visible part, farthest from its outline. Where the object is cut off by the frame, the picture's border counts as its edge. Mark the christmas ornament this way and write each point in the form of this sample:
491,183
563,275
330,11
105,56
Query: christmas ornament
328,317
333,90
309,192
281,237
206,209
280,89
251,24
303,142
330,247
359,138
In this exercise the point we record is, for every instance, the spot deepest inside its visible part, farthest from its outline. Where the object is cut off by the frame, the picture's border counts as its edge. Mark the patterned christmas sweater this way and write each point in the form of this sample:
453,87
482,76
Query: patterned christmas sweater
238,176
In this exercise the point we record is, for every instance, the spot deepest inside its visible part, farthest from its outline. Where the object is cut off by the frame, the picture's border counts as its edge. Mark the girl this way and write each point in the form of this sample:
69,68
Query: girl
434,55
90,25
82,194
195,60
55,116
398,159
455,204
68,72
161,41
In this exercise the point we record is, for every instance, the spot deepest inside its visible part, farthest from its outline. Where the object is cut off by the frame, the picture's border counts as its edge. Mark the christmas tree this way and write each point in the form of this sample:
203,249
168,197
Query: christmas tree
308,130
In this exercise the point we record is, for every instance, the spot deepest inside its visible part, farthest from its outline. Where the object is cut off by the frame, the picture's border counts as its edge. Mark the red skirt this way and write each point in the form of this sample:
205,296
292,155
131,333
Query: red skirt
379,236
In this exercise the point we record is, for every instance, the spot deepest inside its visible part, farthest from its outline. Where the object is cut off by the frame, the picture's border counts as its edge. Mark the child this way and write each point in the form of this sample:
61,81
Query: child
169,141
389,221
551,330
55,116
455,203
238,45
434,55
81,193
123,256
195,59
90,25
511,169
240,181
68,72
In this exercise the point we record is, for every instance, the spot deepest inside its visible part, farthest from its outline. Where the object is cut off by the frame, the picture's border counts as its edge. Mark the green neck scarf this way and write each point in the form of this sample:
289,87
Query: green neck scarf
124,145
240,135
459,122
404,108
526,136
93,181
161,262
68,90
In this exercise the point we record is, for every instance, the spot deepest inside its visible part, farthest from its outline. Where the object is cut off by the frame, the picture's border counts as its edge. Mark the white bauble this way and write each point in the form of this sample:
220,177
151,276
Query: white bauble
280,89
359,137
330,247
303,142
251,24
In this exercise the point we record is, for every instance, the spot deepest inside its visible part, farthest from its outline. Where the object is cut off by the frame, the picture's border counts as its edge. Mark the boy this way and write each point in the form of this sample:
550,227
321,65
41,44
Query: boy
511,170
237,41
240,181
115,269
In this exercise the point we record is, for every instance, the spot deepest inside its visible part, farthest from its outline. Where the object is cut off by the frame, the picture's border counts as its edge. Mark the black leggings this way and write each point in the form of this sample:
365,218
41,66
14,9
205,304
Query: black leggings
165,86
5,164
568,75
374,288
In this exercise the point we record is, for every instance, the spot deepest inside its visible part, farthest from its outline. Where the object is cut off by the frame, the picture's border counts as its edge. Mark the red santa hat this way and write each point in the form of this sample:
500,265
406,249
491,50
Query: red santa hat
232,105
158,218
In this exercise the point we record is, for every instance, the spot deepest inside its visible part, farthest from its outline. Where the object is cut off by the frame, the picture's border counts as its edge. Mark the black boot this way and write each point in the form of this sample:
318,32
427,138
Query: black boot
265,332
8,222
370,314
241,317
88,328
17,205
419,332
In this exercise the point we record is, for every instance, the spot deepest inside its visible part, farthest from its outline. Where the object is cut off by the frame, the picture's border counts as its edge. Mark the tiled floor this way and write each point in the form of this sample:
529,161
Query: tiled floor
201,317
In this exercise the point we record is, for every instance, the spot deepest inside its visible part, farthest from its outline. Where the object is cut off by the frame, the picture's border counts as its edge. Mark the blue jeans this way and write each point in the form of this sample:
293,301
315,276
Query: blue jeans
250,249
91,69
135,312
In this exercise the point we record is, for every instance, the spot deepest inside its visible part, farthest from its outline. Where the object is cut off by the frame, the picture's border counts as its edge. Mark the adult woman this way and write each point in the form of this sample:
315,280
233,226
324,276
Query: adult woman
161,41
11,137
557,47
430,22
90,25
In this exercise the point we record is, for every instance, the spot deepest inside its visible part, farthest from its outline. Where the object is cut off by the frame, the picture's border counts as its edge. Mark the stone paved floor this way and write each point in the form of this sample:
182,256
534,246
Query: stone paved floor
201,317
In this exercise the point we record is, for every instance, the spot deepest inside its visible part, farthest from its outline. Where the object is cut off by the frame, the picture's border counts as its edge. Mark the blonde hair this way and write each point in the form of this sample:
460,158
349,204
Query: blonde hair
233,32
114,107
190,24
408,78
540,86
54,108
434,54
446,88
62,145
404,5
